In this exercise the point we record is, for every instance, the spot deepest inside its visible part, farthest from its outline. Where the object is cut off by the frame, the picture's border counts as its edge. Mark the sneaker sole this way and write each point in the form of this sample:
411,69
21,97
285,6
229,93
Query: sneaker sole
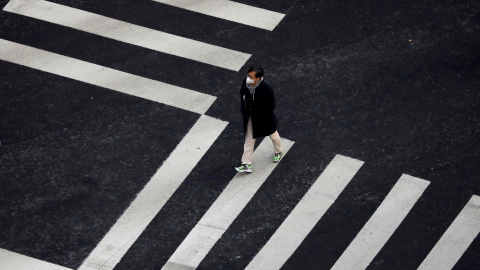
247,171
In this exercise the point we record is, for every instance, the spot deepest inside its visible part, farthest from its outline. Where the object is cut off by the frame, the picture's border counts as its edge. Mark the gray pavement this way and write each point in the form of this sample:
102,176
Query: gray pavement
390,84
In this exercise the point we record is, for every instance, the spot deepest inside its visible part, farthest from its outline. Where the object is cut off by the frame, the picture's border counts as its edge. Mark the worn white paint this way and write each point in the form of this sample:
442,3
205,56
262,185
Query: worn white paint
455,241
129,33
105,77
306,214
14,261
380,227
225,209
231,11
155,194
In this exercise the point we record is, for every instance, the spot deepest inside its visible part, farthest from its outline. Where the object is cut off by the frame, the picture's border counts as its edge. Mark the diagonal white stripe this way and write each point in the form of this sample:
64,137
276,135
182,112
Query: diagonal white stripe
456,239
155,194
105,77
225,209
129,33
231,11
306,214
12,260
373,236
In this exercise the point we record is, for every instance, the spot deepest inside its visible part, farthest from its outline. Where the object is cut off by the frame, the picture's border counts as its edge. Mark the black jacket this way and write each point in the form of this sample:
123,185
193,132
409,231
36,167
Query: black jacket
260,107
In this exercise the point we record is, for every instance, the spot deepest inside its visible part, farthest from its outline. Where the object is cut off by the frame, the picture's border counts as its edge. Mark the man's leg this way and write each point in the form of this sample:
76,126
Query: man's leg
277,142
277,145
247,148
249,144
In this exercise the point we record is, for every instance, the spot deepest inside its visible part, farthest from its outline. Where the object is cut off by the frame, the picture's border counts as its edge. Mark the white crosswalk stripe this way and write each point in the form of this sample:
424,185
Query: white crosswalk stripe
105,77
456,239
12,260
306,214
386,219
225,210
155,194
129,33
232,11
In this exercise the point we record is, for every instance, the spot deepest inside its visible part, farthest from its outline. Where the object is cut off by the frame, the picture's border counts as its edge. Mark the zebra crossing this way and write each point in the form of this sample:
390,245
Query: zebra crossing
123,234
295,228
382,224
232,11
155,194
290,234
105,77
455,241
224,211
129,33
321,195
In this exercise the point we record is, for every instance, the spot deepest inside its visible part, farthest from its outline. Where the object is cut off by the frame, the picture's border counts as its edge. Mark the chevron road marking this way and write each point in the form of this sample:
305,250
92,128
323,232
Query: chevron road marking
231,11
12,260
155,194
129,33
456,239
225,209
105,77
306,214
386,219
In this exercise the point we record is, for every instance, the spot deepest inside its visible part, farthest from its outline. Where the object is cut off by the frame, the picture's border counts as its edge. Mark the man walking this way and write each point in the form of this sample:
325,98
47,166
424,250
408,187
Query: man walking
258,104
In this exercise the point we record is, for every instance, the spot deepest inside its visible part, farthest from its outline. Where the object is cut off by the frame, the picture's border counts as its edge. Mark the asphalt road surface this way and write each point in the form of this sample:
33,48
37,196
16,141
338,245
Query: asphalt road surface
120,128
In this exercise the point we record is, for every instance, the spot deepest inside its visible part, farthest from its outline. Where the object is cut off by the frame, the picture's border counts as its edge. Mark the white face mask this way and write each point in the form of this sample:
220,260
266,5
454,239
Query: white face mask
250,81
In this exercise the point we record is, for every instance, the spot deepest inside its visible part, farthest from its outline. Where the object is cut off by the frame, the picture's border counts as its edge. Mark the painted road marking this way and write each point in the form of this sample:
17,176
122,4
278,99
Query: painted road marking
225,209
306,214
456,239
155,194
386,219
105,77
129,33
12,260
231,11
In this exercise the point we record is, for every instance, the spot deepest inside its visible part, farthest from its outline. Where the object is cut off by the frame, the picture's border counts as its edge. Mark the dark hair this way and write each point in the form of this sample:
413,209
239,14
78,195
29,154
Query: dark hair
258,71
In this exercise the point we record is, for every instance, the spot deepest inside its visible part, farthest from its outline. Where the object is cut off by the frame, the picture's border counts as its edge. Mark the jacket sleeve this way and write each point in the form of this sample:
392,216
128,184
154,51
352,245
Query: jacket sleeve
271,100
242,100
